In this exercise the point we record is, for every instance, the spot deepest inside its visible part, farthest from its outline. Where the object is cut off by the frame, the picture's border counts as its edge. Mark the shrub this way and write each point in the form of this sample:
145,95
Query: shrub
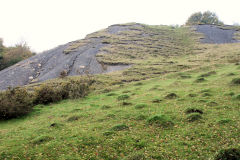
204,18
140,106
228,154
160,121
77,88
123,97
54,92
46,94
15,102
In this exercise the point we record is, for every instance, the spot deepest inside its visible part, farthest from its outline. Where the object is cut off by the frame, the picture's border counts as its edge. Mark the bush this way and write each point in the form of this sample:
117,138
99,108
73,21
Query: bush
54,92
228,154
46,94
204,18
15,102
160,121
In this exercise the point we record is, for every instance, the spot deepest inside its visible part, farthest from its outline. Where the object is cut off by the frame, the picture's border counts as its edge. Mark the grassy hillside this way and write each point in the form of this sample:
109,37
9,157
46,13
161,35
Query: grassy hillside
179,100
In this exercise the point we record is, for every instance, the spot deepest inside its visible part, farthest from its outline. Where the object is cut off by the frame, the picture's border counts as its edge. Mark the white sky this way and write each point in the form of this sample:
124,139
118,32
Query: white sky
45,24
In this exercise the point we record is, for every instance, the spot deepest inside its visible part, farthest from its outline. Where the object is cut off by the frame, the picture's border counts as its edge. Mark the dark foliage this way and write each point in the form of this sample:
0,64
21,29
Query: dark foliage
228,154
15,102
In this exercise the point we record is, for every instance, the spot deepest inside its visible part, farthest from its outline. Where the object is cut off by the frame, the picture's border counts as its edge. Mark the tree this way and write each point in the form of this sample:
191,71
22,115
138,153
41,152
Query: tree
1,49
204,18
11,55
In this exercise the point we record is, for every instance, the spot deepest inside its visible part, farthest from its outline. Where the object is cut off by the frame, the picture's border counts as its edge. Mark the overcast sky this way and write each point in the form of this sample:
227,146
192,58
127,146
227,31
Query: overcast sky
45,24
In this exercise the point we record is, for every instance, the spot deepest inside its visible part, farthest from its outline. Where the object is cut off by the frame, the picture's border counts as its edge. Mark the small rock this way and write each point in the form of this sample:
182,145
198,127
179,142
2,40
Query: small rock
81,67
30,78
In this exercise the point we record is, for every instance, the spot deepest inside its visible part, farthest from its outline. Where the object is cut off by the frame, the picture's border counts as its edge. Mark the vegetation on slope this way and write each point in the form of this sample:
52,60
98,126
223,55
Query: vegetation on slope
169,115
206,17
11,55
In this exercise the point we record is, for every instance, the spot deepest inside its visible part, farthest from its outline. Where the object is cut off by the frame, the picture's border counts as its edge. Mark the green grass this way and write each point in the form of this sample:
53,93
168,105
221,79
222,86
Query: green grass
153,110
85,130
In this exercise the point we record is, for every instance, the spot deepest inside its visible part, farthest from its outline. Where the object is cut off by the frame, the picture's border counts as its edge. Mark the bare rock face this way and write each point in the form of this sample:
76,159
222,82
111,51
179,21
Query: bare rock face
48,65
217,34
79,57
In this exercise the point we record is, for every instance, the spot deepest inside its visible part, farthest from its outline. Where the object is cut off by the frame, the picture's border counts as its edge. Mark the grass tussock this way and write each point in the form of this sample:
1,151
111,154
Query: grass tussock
160,121
194,117
120,127
235,81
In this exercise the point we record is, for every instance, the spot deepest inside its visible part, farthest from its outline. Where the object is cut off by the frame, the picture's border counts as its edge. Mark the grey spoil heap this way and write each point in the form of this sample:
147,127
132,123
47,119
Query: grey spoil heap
82,57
